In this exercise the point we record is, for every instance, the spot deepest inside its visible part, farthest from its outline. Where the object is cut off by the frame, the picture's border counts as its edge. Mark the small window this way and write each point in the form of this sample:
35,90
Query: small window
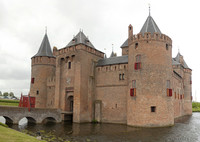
134,84
32,80
136,45
130,28
123,76
69,65
153,108
120,76
168,83
37,92
138,62
167,47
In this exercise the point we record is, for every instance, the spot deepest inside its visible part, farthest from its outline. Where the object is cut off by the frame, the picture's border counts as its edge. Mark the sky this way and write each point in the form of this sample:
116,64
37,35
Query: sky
105,22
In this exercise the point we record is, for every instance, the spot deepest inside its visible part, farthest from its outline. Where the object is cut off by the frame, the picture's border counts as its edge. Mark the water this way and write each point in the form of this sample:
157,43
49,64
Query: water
186,129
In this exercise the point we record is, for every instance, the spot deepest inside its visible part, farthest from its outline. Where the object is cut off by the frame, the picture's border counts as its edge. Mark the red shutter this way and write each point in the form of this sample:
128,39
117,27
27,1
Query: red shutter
167,92
32,80
131,92
134,91
170,92
135,66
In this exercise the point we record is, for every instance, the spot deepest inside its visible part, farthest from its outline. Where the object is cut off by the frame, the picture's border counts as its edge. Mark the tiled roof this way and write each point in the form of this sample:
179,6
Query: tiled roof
45,48
80,38
113,60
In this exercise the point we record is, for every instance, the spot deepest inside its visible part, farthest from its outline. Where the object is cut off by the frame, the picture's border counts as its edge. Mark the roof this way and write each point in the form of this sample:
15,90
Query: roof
150,26
45,48
80,38
113,60
177,60
125,44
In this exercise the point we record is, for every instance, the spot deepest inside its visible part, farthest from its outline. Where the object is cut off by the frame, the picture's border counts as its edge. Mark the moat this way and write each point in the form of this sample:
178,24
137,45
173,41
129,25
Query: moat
186,129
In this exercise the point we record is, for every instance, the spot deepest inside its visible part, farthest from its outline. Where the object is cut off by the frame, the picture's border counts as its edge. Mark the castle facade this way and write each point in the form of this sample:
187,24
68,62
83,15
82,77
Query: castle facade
144,87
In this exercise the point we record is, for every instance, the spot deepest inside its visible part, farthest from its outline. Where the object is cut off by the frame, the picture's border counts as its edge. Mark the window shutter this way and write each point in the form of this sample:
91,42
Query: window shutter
135,66
131,92
134,91
167,92
32,80
170,92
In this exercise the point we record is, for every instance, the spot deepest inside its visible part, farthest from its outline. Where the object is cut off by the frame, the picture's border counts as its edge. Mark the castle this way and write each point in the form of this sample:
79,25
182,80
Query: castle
144,87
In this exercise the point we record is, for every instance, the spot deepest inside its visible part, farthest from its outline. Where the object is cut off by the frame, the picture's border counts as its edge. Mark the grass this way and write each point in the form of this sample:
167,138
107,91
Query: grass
195,107
9,102
10,135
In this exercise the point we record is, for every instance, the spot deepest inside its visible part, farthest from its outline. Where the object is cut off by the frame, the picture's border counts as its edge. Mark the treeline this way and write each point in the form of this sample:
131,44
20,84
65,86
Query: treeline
7,94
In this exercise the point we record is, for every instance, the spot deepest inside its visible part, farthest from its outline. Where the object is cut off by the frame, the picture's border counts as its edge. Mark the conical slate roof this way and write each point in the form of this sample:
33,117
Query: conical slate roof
150,26
80,38
125,44
45,48
177,60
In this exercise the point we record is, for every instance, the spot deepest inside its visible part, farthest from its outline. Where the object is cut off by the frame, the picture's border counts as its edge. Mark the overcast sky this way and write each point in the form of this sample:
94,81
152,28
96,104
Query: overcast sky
105,22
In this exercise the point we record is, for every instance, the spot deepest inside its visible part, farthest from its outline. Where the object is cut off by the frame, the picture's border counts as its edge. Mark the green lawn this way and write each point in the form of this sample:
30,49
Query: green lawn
195,106
10,135
9,102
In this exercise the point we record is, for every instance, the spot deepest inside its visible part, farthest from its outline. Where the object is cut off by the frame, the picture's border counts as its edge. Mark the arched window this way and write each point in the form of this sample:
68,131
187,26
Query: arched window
138,62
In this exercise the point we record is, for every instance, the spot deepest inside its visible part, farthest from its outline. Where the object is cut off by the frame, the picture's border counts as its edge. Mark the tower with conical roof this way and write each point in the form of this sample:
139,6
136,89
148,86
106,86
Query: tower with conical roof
42,67
150,77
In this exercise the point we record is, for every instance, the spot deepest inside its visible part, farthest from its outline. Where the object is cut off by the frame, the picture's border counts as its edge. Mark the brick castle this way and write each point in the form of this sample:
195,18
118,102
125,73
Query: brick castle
144,87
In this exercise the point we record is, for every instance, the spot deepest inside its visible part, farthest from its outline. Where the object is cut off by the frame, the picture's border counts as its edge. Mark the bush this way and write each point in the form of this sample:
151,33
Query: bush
196,107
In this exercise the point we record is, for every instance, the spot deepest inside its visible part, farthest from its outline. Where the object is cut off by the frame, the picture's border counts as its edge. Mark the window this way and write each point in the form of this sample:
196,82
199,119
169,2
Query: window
37,92
69,65
138,62
168,83
120,76
32,80
136,45
167,47
134,84
123,76
153,108
169,91
133,89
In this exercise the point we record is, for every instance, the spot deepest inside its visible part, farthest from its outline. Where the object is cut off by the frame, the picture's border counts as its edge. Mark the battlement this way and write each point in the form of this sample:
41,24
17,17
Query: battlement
115,67
43,60
78,47
148,37
51,81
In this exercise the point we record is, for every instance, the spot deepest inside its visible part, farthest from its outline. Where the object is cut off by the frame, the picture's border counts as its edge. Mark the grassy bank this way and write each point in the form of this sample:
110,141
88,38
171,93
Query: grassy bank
9,102
10,135
195,107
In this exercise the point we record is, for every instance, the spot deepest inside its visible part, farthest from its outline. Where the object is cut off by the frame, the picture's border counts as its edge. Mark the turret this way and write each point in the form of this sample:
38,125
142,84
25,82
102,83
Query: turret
150,77
42,67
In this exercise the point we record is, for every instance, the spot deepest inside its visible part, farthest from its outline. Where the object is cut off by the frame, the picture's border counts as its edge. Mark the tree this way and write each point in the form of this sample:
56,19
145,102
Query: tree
5,94
0,93
11,94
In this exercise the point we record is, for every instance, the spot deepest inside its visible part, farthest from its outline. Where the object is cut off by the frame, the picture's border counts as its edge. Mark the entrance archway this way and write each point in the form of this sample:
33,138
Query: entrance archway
69,103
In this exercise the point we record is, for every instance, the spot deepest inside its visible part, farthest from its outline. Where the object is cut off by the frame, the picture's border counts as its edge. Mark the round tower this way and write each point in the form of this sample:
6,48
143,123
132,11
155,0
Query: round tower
42,67
149,98
188,91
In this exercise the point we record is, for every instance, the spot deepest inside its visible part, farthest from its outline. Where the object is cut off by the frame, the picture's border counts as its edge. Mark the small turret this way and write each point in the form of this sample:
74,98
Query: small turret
43,66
